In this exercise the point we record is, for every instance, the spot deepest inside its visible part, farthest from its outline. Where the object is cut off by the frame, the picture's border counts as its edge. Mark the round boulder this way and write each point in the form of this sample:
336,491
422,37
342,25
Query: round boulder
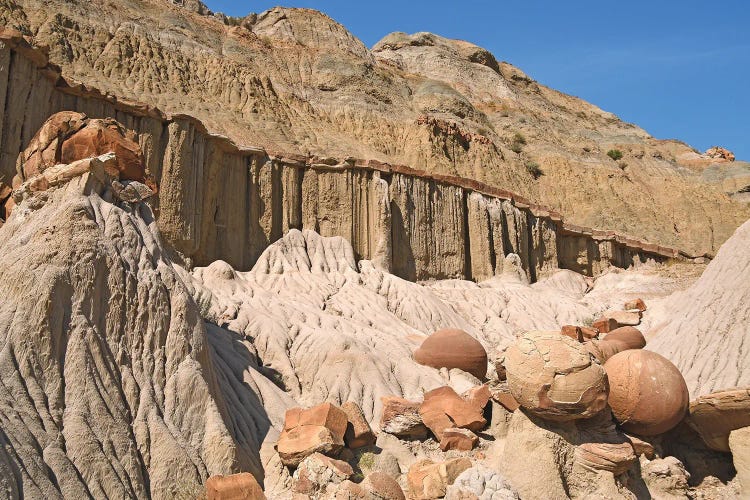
647,393
453,348
554,377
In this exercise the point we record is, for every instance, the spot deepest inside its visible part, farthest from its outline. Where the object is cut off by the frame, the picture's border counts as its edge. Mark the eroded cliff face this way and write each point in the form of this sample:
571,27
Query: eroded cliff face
218,201
293,80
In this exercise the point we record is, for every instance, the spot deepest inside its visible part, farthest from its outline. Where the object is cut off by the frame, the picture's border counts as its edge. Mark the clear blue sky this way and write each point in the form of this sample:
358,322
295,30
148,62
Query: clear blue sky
678,68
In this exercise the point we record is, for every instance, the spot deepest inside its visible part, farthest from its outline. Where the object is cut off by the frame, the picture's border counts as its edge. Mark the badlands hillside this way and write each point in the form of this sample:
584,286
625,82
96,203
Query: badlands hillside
251,258
293,81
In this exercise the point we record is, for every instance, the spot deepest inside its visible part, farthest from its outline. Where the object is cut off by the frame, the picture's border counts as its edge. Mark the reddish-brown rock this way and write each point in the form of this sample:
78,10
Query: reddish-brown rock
453,348
715,415
579,333
307,431
443,409
358,431
382,486
458,439
401,418
235,487
68,136
642,447
506,399
635,304
604,325
719,153
647,393
618,340
554,377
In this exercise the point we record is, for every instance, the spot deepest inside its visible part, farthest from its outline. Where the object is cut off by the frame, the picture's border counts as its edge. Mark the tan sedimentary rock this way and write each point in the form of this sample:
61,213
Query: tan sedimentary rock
118,354
715,415
702,330
739,444
612,457
553,376
647,393
453,348
358,431
318,473
428,479
624,318
235,487
313,430
401,418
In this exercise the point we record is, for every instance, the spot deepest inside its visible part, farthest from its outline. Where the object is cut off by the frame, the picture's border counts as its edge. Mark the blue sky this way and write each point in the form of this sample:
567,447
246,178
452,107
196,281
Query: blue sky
678,68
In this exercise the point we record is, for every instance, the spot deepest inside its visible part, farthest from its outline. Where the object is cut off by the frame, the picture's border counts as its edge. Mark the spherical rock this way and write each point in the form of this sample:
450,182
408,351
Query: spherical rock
554,377
453,348
647,393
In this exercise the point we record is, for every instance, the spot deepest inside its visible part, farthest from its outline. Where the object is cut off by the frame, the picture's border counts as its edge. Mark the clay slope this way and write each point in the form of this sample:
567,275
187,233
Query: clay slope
704,329
293,80
112,386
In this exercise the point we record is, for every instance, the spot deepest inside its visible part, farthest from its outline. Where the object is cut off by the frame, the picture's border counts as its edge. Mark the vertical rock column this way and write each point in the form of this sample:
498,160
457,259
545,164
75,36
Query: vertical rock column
428,229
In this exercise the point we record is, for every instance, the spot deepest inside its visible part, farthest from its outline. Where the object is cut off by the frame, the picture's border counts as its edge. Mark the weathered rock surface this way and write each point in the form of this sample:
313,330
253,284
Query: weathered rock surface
443,409
703,330
113,386
482,483
313,430
666,478
647,393
318,473
358,431
428,480
401,417
717,414
739,444
453,348
381,486
554,377
618,340
235,487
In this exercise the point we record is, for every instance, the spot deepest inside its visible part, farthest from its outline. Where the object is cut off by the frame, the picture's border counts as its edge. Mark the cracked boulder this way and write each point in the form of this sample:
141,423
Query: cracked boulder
554,377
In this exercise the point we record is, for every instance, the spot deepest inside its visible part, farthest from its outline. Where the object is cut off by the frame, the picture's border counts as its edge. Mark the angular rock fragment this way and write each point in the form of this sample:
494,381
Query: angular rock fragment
453,348
382,486
358,431
455,438
443,409
428,480
235,487
481,482
604,325
638,304
647,393
401,418
579,333
307,431
717,414
318,472
612,457
554,377
624,318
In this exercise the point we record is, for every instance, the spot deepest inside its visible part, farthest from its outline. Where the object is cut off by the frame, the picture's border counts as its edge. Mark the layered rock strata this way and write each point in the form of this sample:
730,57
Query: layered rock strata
220,201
